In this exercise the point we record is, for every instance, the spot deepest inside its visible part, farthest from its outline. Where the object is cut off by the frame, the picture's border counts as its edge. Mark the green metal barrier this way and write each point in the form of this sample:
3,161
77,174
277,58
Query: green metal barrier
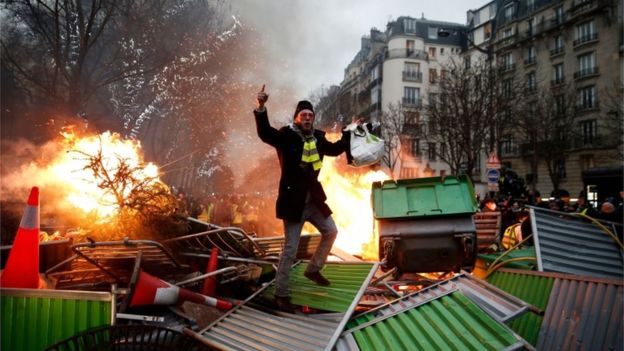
34,319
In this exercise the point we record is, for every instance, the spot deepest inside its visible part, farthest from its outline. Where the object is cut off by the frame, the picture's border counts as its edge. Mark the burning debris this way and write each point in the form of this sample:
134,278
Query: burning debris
215,283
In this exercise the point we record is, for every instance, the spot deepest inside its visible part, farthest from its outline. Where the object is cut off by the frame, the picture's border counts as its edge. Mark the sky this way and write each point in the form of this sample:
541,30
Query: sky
311,42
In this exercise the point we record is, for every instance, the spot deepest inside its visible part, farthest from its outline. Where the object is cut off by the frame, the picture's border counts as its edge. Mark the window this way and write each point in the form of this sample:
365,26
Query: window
508,12
375,94
433,75
586,98
409,45
431,151
530,4
531,82
558,17
441,51
530,55
585,32
416,147
375,73
558,74
507,33
432,52
487,31
433,32
477,18
411,96
530,26
588,131
443,149
586,65
587,162
409,25
507,144
507,61
411,72
507,87
557,47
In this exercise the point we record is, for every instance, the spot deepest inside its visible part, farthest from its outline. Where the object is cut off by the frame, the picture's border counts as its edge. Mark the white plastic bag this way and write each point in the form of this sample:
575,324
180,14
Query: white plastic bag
366,148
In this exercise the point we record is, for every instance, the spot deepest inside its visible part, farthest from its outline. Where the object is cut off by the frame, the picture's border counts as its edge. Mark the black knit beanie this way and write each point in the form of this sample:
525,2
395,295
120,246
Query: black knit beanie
303,105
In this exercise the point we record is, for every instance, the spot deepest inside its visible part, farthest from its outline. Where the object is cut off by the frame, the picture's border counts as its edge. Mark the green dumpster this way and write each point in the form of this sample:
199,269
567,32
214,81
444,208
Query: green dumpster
426,224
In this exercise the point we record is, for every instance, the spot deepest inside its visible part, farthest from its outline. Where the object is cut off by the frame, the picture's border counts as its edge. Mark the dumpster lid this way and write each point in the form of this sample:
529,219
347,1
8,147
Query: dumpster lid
433,196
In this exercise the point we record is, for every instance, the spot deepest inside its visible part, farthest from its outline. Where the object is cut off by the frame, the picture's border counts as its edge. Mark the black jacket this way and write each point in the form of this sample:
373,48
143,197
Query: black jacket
296,181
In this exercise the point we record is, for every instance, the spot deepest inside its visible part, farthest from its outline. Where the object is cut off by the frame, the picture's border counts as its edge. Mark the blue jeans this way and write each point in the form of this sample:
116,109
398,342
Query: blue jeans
292,231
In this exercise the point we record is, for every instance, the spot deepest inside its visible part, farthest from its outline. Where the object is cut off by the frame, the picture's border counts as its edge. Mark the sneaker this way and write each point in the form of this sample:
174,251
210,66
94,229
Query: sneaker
317,278
283,304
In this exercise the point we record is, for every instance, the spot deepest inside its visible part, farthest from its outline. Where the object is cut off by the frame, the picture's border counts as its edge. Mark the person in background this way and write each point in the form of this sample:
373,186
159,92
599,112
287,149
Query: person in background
582,206
301,198
516,232
538,201
489,205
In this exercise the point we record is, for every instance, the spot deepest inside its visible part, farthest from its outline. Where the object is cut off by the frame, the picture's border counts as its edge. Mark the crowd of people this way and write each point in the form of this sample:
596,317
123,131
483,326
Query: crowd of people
514,212
253,213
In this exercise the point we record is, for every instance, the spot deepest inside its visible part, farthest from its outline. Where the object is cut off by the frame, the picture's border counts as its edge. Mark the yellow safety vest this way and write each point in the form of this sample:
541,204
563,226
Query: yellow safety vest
310,154
510,239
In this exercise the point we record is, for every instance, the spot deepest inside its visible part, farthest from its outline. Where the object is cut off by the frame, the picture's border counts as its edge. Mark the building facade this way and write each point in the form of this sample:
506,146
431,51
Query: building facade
572,50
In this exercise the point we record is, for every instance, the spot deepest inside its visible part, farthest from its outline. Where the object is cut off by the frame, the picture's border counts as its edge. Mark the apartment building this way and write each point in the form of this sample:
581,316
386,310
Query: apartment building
400,67
574,47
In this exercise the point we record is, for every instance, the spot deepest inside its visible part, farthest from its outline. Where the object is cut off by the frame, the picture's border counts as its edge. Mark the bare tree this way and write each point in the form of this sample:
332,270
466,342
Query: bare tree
471,112
546,130
65,51
168,70
458,114
395,135
613,110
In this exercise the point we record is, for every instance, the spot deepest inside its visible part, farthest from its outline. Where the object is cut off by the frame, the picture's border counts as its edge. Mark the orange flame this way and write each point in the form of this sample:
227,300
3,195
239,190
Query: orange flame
349,196
82,190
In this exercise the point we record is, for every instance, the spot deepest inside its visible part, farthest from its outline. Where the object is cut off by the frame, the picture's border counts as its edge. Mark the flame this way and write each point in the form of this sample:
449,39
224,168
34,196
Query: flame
349,197
82,190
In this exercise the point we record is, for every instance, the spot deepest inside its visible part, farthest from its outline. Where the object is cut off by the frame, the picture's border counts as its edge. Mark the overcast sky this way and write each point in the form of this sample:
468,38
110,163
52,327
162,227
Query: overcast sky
311,42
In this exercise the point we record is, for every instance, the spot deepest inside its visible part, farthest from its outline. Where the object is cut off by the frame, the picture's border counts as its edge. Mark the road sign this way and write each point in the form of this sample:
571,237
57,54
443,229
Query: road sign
492,176
493,161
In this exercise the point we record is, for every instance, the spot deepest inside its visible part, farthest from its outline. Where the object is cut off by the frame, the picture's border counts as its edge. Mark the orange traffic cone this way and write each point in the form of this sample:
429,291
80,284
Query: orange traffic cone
22,267
150,290
210,283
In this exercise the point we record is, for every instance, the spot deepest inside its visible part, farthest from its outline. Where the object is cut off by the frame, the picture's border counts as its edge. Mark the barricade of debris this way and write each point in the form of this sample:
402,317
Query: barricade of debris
213,289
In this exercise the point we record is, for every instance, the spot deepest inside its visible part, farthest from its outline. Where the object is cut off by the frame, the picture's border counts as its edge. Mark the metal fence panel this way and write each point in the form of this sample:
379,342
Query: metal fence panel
34,319
448,322
568,244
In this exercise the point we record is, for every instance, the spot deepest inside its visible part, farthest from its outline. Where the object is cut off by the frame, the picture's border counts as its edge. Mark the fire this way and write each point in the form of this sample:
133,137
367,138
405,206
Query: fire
70,168
349,196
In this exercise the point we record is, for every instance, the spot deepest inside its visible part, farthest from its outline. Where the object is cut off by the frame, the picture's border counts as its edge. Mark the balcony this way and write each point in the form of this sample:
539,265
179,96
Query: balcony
556,21
412,103
412,76
580,7
530,60
509,67
412,129
531,89
557,51
557,82
587,106
586,39
590,142
508,40
586,73
407,53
